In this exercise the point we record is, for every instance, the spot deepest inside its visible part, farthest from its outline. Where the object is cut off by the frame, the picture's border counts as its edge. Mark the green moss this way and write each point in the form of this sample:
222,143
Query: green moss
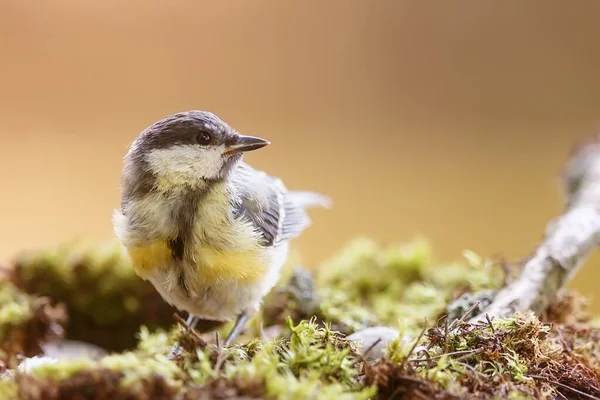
307,354
15,309
397,285
9,388
90,278
107,301
366,284
130,372
26,322
343,311
136,369
61,369
501,359
363,268
313,360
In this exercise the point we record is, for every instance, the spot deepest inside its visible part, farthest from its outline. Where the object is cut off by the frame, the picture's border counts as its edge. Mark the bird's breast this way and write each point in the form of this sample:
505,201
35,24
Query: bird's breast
215,265
207,264
225,249
216,248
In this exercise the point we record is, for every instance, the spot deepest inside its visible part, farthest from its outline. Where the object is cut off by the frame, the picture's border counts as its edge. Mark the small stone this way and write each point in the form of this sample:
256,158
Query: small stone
72,349
372,341
271,332
31,363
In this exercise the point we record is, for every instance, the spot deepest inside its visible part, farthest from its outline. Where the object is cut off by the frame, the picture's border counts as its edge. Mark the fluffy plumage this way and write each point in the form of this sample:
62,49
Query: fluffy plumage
208,230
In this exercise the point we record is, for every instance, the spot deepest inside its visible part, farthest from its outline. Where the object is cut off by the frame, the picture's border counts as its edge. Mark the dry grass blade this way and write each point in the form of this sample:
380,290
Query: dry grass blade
462,319
414,346
464,353
371,347
552,382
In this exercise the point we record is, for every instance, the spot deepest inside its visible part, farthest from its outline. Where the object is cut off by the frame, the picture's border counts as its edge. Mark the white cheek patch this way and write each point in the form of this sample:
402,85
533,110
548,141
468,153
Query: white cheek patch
211,161
186,164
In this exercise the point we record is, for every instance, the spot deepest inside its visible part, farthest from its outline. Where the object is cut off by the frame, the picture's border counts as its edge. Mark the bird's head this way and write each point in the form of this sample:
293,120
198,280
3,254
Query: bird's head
189,149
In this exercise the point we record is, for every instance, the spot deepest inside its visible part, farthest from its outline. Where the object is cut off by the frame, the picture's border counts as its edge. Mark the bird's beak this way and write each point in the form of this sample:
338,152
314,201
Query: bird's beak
246,143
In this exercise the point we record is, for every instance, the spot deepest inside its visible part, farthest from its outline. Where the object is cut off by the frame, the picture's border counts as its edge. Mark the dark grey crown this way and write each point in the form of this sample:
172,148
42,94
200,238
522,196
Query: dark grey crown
183,128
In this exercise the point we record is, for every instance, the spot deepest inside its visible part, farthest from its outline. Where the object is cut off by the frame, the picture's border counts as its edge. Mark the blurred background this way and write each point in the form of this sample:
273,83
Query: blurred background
450,121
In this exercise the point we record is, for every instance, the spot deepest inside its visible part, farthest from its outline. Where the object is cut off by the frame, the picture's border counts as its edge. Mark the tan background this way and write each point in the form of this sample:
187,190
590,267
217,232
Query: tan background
446,119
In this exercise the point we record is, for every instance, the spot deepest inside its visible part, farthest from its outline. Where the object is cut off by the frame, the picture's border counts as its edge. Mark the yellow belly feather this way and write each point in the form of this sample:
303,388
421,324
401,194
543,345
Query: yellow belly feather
146,259
213,265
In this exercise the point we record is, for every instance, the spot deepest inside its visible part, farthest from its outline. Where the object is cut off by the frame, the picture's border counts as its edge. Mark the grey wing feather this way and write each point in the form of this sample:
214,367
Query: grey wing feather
278,214
296,219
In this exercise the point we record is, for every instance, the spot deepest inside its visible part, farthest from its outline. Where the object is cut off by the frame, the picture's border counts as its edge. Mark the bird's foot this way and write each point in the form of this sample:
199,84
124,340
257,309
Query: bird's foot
190,324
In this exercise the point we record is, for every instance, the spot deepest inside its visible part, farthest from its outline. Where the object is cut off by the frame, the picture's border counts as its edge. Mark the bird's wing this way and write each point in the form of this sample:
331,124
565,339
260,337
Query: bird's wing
278,214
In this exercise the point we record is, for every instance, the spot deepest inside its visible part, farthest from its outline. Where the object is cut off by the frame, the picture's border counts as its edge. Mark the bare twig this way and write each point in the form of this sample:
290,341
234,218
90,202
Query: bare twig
489,320
568,241
470,368
221,356
446,335
414,346
371,347
180,321
562,385
462,319
464,354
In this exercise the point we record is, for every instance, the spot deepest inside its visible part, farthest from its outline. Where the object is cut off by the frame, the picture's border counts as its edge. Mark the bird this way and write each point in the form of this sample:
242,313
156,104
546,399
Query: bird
210,232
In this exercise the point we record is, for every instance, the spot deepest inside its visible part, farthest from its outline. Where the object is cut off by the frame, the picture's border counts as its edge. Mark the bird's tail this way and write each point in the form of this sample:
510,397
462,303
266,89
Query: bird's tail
296,218
309,199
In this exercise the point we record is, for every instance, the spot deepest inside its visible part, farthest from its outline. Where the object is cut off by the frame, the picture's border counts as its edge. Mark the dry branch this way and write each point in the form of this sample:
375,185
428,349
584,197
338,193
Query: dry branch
569,240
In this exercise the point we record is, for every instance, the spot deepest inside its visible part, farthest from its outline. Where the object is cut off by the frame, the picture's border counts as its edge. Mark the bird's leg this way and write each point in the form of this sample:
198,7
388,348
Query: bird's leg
240,323
190,323
174,351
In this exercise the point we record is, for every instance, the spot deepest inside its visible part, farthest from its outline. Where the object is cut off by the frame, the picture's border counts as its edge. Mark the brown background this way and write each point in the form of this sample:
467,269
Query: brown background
444,119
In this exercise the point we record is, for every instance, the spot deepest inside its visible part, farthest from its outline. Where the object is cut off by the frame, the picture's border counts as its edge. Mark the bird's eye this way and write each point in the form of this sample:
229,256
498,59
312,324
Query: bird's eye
203,138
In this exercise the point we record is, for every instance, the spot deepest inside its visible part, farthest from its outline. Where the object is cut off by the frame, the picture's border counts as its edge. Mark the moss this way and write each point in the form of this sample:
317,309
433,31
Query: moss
157,342
312,361
9,389
61,369
366,284
507,358
136,370
297,347
131,375
107,301
26,322
15,309
363,268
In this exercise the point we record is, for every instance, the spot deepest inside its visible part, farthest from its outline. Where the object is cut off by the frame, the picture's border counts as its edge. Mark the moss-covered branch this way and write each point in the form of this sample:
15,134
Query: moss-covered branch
569,240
